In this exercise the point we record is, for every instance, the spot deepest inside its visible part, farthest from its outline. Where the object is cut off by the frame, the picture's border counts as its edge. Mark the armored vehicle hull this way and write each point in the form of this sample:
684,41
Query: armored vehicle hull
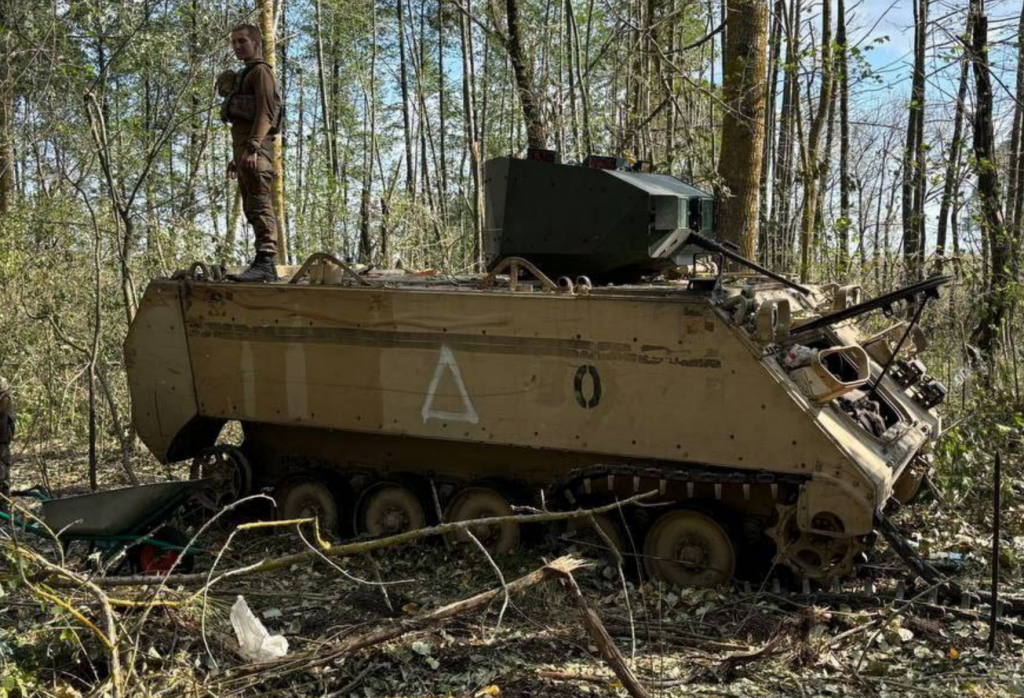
383,401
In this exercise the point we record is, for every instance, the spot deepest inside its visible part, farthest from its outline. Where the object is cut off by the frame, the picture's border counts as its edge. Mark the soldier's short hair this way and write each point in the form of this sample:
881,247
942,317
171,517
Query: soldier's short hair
252,30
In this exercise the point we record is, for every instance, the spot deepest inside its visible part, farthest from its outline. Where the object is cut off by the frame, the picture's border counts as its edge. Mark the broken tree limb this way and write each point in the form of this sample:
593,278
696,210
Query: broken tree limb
360,547
392,629
603,641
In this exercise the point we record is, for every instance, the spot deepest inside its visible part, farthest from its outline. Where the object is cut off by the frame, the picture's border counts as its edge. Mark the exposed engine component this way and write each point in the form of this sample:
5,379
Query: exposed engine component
865,411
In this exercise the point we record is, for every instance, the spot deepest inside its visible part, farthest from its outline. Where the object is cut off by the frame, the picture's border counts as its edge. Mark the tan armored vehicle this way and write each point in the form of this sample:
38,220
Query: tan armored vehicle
770,425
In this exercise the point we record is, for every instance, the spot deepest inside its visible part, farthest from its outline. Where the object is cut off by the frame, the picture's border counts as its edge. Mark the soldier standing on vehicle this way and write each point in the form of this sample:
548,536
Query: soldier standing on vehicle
6,436
253,107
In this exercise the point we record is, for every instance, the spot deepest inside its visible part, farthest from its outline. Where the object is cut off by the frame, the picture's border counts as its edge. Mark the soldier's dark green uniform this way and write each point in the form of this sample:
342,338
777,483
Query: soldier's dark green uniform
6,436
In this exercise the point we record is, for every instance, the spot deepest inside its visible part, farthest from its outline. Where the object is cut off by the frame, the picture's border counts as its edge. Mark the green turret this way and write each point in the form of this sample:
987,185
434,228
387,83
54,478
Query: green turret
600,219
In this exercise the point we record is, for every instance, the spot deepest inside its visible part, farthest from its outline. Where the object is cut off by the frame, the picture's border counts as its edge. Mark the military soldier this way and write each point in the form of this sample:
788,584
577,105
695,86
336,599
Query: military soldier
253,107
6,436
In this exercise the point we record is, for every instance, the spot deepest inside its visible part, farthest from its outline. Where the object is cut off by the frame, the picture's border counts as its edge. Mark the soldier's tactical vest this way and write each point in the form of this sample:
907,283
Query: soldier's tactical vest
237,105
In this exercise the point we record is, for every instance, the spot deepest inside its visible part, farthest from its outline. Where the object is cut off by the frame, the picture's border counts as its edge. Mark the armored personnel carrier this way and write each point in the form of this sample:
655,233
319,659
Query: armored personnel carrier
652,358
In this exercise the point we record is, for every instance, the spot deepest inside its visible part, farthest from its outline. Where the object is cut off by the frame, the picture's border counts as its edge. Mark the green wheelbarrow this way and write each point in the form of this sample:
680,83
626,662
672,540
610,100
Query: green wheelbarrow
129,519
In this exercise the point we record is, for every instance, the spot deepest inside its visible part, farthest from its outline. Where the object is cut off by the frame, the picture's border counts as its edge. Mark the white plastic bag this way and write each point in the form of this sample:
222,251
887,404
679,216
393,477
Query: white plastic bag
798,356
256,643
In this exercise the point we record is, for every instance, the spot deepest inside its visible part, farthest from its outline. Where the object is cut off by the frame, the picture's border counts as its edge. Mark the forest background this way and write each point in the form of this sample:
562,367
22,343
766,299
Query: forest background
865,142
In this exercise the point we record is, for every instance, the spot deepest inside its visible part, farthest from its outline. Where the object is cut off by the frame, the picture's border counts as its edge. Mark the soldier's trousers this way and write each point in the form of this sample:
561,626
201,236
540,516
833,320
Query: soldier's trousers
254,185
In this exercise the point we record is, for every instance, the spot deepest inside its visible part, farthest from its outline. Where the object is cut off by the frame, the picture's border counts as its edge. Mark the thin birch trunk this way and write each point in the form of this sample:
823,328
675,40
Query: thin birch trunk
811,160
845,221
950,188
268,29
410,177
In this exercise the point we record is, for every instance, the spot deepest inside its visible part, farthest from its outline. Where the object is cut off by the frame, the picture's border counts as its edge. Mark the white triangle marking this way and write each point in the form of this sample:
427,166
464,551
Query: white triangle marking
446,361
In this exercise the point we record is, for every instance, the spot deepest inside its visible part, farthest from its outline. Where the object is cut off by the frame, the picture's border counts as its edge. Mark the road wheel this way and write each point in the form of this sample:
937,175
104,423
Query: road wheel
688,548
481,503
388,509
227,473
307,498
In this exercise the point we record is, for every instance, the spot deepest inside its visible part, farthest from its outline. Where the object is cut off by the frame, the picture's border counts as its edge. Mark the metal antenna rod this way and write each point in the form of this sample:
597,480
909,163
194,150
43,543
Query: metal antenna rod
712,246
896,351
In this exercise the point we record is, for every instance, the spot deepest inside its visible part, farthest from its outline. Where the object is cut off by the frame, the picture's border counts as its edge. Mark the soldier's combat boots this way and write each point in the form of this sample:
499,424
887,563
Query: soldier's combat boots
262,269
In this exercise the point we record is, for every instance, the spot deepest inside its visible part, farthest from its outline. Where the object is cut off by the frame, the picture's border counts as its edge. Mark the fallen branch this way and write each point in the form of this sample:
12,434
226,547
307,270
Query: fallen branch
608,681
394,628
605,645
364,546
107,635
575,676
677,636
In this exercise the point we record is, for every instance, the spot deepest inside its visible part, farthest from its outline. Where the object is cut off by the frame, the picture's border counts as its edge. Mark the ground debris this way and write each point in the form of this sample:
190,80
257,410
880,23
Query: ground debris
345,640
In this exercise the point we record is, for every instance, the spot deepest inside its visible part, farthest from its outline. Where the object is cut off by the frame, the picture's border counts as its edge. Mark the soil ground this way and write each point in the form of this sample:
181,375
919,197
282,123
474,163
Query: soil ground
680,642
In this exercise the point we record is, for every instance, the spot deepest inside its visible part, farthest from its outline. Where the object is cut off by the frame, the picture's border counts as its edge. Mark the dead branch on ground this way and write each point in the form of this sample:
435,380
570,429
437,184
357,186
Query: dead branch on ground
388,630
360,547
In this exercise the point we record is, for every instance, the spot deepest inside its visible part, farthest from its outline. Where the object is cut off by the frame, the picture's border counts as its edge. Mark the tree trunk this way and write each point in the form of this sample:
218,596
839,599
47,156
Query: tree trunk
6,152
442,174
782,197
325,113
950,185
913,156
570,55
824,173
1015,192
268,29
743,92
472,135
403,78
579,58
997,301
529,100
765,241
811,155
845,222
369,145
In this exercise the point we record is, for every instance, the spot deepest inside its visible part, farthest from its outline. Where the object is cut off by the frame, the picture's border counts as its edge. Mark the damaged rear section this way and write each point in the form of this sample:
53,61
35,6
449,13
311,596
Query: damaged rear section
156,353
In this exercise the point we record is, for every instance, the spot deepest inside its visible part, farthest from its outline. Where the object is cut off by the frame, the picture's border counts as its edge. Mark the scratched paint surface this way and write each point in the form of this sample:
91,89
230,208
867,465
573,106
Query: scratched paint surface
496,368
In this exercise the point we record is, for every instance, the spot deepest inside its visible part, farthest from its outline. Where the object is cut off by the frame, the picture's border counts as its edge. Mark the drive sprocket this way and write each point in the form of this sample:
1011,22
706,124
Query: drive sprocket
812,555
